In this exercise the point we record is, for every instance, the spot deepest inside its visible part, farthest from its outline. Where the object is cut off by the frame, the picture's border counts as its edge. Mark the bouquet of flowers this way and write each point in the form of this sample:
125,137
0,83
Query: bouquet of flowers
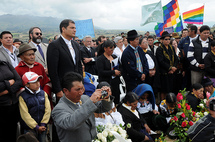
111,133
185,117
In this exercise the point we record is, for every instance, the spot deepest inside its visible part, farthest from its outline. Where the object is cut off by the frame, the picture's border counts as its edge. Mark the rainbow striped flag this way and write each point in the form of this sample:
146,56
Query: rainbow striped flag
194,16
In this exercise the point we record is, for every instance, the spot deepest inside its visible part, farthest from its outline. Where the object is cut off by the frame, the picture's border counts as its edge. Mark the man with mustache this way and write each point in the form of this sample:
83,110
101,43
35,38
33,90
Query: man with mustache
35,37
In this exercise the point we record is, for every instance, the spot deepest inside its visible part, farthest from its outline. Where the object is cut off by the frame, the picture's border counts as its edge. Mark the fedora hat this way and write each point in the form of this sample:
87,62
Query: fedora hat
175,35
25,47
132,34
165,34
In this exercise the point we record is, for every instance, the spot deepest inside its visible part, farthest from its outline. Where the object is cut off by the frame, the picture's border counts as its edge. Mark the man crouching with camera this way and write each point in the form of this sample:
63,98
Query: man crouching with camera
74,114
204,129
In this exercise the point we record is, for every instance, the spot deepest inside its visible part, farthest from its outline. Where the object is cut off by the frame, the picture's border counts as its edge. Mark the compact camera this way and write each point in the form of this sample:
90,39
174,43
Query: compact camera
212,105
104,94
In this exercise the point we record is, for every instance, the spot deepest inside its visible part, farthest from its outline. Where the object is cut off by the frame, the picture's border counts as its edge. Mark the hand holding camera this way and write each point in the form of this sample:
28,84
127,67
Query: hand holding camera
101,94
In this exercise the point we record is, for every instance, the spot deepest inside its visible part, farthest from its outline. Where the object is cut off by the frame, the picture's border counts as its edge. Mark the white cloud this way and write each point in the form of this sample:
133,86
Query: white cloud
109,14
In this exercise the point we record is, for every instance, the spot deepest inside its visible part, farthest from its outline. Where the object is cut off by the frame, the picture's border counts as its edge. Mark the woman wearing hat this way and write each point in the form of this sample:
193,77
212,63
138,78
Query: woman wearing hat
167,61
10,83
210,63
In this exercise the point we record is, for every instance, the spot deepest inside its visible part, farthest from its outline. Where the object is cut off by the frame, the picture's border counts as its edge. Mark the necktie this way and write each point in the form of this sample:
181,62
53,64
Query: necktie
41,51
139,64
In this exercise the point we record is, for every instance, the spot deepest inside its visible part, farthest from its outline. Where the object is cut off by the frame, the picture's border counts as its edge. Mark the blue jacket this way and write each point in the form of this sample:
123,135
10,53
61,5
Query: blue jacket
184,44
36,105
129,65
142,88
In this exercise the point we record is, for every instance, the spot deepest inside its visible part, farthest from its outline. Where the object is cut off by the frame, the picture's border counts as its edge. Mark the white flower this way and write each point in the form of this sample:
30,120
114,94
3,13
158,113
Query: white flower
115,140
104,139
99,135
109,125
123,135
129,140
115,128
205,100
95,140
110,134
201,105
197,115
105,133
205,113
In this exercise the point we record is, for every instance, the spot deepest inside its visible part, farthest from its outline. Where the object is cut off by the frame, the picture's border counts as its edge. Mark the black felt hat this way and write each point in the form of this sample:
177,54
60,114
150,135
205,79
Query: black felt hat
165,34
132,34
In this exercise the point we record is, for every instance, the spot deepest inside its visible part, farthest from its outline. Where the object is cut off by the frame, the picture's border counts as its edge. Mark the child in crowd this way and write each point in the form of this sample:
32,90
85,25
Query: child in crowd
167,108
34,106
146,103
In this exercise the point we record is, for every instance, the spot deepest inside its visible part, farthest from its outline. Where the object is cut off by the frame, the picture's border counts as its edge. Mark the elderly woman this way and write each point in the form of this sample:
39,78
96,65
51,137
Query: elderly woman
210,64
108,68
10,83
167,61
139,130
153,77
119,47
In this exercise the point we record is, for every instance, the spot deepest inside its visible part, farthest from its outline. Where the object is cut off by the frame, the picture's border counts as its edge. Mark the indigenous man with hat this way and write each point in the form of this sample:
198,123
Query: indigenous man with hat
167,61
134,63
27,54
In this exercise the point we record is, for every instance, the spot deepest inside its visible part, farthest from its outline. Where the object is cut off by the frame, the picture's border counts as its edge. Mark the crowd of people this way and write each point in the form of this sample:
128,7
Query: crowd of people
85,76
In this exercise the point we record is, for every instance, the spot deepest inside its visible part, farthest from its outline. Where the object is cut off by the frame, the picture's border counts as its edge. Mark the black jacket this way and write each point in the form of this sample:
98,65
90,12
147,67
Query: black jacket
7,72
210,65
136,124
198,50
105,72
90,66
59,61
163,62
203,130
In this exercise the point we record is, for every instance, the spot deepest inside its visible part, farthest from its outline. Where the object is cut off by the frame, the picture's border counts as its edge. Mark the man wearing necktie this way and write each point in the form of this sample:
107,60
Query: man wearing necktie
134,63
88,56
35,36
63,55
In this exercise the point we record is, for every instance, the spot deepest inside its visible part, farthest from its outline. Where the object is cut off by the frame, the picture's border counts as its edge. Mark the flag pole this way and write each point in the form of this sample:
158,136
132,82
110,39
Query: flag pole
204,14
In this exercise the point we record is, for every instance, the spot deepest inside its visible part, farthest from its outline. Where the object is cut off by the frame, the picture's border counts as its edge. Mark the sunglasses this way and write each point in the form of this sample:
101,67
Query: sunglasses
167,39
38,33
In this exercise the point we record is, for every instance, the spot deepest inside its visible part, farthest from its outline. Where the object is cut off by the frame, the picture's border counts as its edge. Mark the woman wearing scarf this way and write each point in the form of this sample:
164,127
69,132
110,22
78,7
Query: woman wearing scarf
167,61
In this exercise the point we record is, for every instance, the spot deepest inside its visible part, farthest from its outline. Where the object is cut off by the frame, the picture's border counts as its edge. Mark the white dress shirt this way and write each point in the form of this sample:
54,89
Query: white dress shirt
71,49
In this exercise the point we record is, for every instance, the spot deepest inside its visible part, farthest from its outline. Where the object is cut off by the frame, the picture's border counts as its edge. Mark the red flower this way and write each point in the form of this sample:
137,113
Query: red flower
190,123
175,118
184,124
194,113
179,105
188,107
186,104
179,97
183,115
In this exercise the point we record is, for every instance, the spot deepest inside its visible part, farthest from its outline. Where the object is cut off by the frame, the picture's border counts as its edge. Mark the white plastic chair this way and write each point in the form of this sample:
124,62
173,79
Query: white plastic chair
122,87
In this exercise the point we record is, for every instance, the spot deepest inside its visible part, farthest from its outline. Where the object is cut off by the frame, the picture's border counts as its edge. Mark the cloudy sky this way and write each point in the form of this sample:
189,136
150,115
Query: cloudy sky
107,14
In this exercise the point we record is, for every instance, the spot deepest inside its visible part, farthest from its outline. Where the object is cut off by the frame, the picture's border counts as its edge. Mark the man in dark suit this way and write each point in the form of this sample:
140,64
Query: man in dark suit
134,63
63,55
88,55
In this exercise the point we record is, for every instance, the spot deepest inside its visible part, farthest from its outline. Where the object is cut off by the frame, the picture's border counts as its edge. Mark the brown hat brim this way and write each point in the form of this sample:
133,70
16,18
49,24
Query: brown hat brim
27,50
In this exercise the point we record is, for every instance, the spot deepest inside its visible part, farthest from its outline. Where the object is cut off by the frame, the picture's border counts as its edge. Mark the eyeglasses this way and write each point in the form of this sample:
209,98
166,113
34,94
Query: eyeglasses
167,39
38,33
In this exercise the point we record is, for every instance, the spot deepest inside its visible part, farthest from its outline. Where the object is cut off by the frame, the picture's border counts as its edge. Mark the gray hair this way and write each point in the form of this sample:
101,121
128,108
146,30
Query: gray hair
88,36
116,39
